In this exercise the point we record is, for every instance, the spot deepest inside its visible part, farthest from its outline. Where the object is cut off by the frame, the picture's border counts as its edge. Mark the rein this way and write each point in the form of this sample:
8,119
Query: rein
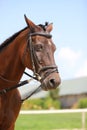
4,91
36,76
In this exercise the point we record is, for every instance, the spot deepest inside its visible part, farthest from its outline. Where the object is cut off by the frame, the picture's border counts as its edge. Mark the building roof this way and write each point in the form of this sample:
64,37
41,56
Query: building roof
73,86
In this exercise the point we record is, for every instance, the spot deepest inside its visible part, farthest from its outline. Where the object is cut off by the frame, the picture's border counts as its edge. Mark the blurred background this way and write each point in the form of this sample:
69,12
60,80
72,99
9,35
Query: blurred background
69,18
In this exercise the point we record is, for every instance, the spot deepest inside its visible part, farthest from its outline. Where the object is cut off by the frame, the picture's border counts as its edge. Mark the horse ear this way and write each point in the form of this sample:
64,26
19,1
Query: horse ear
49,27
29,23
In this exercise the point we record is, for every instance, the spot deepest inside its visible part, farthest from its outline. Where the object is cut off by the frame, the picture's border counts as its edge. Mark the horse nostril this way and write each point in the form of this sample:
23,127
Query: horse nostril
52,82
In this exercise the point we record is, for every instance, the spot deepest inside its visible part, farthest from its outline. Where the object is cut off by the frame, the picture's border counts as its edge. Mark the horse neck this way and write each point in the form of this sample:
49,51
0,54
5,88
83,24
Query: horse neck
12,67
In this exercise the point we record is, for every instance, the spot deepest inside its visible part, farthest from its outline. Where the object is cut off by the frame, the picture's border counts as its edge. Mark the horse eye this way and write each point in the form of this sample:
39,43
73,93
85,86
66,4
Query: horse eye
39,47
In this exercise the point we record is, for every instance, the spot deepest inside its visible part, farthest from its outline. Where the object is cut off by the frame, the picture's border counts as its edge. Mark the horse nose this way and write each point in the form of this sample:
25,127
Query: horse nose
54,83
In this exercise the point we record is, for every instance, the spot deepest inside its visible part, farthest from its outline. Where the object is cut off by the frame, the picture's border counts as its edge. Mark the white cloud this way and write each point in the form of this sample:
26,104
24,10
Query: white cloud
82,71
71,63
68,55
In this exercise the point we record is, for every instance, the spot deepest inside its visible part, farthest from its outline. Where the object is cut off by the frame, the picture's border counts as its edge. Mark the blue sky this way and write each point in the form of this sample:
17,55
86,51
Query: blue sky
69,18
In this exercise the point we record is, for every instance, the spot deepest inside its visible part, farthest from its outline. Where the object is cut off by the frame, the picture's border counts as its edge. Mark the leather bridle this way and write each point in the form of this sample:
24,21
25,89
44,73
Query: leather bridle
52,68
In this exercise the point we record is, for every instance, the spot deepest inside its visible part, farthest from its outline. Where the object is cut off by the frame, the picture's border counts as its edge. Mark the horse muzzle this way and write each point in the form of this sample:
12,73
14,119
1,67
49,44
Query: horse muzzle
51,82
50,78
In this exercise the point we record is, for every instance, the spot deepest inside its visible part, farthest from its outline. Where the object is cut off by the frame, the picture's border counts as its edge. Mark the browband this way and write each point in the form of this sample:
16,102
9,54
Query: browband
47,35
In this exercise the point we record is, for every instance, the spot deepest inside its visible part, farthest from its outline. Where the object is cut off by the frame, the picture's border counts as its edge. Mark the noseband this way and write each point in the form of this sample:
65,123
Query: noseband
50,69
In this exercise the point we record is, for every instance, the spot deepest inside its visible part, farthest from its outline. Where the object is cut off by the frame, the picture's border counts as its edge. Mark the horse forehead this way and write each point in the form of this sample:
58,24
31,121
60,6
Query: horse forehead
44,40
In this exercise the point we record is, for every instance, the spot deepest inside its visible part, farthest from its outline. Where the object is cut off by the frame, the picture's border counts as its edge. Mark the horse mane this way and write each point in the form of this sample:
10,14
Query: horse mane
10,39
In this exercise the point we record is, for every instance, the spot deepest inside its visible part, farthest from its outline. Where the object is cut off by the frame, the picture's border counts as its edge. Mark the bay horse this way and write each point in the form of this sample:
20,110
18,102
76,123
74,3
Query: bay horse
31,47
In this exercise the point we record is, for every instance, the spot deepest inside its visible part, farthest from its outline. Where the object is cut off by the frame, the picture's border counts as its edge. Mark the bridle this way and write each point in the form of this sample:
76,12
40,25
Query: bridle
36,76
52,68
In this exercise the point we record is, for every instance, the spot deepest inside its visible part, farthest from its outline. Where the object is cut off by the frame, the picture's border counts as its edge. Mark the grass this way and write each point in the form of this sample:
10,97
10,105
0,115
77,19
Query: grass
49,121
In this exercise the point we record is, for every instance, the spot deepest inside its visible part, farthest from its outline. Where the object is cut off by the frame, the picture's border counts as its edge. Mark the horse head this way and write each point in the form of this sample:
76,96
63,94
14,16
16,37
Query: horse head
41,52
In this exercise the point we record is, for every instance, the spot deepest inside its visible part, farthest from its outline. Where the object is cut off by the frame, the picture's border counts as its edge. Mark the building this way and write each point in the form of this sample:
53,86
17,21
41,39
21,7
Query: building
72,90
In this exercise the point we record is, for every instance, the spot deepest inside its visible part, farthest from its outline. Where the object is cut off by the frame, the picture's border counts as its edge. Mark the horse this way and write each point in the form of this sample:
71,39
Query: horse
33,48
